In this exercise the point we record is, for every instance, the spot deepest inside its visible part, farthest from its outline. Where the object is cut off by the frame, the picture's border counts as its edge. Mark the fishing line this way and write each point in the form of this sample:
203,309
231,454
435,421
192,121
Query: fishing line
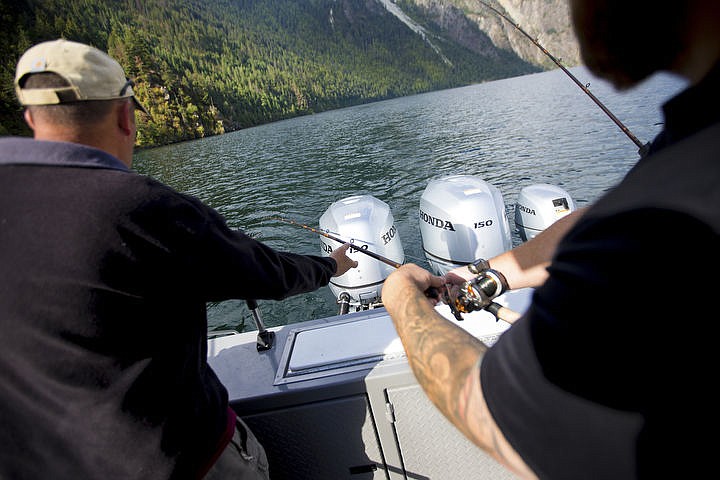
642,148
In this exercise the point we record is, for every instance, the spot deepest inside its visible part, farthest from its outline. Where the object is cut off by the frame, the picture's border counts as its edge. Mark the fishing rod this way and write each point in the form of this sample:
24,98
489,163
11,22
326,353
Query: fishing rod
341,241
642,148
500,312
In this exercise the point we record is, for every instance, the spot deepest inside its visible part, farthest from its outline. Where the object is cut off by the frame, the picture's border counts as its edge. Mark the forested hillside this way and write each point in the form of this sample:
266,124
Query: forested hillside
204,68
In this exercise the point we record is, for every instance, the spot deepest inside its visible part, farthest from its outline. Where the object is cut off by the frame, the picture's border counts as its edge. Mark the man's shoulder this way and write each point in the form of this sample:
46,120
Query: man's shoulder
29,151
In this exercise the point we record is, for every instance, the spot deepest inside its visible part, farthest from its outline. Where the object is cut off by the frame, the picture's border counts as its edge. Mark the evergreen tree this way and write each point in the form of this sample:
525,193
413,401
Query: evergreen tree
204,68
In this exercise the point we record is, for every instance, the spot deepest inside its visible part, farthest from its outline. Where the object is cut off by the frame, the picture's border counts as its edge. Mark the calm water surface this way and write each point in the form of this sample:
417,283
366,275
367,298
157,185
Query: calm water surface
538,128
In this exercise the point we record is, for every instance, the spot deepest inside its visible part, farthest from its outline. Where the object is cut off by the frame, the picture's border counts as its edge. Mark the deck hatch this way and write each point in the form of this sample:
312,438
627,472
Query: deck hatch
339,347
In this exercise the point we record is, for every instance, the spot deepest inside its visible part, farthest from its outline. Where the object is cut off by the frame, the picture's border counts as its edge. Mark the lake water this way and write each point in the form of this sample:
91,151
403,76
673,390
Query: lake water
538,128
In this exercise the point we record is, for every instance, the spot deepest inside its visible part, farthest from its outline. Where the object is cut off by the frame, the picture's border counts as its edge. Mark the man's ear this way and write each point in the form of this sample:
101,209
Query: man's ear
29,119
126,118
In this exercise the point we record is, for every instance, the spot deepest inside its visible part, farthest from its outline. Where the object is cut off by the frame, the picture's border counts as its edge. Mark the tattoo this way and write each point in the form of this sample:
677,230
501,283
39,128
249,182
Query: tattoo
446,362
442,357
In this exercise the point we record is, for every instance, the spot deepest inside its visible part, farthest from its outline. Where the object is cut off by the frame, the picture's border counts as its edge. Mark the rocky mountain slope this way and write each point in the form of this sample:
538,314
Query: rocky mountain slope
548,21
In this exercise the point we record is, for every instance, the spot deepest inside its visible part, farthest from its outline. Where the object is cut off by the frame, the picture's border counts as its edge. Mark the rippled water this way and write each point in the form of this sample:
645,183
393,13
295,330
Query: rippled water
538,128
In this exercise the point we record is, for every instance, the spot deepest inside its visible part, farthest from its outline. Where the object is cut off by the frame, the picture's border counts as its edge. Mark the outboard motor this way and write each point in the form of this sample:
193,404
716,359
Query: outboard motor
538,206
462,218
367,223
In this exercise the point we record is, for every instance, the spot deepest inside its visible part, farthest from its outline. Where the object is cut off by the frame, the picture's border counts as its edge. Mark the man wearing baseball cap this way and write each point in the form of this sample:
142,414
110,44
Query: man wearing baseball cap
90,74
105,276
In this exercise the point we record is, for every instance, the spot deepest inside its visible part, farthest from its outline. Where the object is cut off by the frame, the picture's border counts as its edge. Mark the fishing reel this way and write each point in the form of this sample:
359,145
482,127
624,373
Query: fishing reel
477,293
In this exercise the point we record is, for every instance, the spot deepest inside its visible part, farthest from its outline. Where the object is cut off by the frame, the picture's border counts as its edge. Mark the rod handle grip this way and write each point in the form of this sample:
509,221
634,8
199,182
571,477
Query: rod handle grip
503,313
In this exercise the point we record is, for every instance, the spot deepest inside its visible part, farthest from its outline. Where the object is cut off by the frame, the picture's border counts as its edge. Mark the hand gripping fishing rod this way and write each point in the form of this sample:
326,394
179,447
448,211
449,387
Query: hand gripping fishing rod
456,306
642,148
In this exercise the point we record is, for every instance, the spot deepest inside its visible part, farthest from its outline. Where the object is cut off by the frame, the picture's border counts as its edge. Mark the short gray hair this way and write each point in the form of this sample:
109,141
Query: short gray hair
83,112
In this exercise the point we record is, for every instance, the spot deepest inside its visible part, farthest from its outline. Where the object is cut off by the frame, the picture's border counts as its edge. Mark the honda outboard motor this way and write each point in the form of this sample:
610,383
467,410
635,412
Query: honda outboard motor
462,218
538,206
367,223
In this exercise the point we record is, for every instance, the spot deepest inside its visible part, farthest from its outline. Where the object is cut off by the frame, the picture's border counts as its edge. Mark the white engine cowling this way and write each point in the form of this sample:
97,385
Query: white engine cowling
462,218
539,206
367,223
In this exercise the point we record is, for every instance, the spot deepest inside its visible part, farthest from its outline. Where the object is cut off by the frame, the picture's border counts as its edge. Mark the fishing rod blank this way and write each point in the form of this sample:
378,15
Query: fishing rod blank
642,148
500,312
341,241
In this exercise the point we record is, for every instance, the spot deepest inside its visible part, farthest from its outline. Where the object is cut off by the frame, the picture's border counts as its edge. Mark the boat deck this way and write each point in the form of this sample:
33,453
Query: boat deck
335,398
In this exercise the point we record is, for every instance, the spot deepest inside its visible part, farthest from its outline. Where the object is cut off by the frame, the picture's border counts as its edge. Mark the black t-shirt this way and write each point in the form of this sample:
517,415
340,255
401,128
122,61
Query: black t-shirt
105,279
610,373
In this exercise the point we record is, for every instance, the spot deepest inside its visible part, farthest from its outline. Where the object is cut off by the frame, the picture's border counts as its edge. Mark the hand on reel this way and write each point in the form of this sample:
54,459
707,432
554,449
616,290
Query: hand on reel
477,293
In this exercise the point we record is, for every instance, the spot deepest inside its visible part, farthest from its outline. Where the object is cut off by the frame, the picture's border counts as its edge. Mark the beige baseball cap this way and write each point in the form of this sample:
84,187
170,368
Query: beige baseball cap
91,74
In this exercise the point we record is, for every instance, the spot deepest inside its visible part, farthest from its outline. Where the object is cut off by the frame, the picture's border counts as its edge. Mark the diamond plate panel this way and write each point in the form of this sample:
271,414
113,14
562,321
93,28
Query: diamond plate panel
432,448
302,442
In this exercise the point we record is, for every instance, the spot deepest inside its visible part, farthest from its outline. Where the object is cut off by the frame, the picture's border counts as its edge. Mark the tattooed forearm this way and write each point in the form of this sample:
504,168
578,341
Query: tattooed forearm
440,356
445,360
